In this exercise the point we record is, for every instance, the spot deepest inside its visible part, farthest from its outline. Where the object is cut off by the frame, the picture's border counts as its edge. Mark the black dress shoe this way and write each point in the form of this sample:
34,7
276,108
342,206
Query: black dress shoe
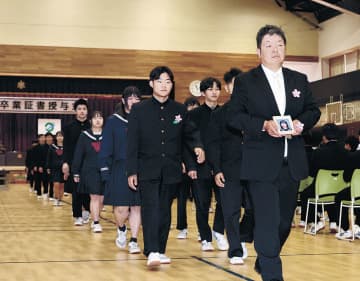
257,267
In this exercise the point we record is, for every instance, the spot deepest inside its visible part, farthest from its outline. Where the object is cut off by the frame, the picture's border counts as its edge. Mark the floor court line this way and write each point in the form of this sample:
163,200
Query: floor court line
222,268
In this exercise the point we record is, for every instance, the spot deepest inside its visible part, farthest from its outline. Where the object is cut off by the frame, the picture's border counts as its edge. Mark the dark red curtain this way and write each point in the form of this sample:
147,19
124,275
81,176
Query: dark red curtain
18,130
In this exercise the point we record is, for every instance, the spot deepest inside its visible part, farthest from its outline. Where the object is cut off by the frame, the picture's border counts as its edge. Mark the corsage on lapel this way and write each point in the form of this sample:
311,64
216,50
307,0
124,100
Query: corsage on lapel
296,93
177,119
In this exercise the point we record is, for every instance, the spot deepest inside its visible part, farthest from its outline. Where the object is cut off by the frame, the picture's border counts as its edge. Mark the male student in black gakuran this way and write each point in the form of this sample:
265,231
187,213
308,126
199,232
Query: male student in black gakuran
158,131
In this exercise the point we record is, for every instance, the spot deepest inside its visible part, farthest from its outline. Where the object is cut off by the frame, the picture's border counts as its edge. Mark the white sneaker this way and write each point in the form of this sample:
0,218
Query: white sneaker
51,199
344,235
78,221
39,197
97,228
333,227
206,246
198,237
357,231
236,260
245,251
221,243
320,226
56,202
182,234
45,196
66,194
133,248
30,190
164,259
301,224
153,259
121,239
85,216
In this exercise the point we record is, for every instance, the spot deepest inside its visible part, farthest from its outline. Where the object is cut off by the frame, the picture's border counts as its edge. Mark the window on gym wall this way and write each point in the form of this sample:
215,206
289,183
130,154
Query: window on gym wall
340,64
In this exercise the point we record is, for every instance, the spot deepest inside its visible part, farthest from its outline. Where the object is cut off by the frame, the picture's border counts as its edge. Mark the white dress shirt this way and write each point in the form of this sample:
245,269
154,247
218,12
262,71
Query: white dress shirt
277,85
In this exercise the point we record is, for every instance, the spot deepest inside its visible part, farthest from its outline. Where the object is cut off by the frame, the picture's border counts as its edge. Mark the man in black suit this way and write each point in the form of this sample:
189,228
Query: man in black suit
272,163
157,133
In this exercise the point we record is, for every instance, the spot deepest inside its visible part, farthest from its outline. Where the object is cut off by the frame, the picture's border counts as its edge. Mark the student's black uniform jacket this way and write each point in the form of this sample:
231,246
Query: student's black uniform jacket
224,149
330,156
201,117
39,156
71,135
352,164
157,134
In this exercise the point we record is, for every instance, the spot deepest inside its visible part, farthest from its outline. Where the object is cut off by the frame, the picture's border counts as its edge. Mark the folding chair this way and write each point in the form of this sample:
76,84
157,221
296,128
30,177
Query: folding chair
327,184
354,202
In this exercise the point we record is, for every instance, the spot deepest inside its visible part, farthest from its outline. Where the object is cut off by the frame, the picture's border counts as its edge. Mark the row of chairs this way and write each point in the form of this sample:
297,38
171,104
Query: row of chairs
327,184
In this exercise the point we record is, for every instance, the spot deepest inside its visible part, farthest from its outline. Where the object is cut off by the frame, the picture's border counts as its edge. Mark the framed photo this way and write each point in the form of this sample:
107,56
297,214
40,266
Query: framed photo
285,124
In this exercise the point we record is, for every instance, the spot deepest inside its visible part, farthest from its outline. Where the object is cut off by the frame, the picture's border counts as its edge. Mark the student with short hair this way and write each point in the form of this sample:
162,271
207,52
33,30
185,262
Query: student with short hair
202,174
72,132
158,130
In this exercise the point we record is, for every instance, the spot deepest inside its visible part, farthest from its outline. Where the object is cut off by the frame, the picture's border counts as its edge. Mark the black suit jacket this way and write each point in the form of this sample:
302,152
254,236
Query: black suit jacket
157,134
253,102
224,150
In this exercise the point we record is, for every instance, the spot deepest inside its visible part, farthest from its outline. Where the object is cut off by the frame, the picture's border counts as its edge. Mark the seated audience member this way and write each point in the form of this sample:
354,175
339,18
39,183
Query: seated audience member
351,143
345,194
331,155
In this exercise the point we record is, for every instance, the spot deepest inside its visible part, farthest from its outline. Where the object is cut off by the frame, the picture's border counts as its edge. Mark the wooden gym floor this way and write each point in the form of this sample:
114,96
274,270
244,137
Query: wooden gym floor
39,242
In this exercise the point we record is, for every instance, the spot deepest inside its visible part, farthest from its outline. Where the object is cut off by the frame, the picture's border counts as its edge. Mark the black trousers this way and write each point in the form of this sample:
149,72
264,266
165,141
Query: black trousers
345,194
247,221
202,189
41,179
156,201
79,200
182,197
274,204
51,189
231,201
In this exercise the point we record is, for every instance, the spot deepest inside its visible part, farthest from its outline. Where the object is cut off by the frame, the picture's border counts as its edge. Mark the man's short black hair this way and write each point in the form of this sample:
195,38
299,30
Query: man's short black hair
229,75
40,135
271,30
208,83
191,101
80,102
353,142
49,134
330,131
157,71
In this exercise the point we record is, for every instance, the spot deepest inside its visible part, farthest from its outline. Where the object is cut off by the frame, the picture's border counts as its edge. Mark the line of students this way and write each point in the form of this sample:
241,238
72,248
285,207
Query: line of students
38,164
96,161
162,134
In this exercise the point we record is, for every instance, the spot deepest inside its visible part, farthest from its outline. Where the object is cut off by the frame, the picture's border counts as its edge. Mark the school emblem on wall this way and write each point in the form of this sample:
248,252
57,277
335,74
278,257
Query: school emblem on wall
21,85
